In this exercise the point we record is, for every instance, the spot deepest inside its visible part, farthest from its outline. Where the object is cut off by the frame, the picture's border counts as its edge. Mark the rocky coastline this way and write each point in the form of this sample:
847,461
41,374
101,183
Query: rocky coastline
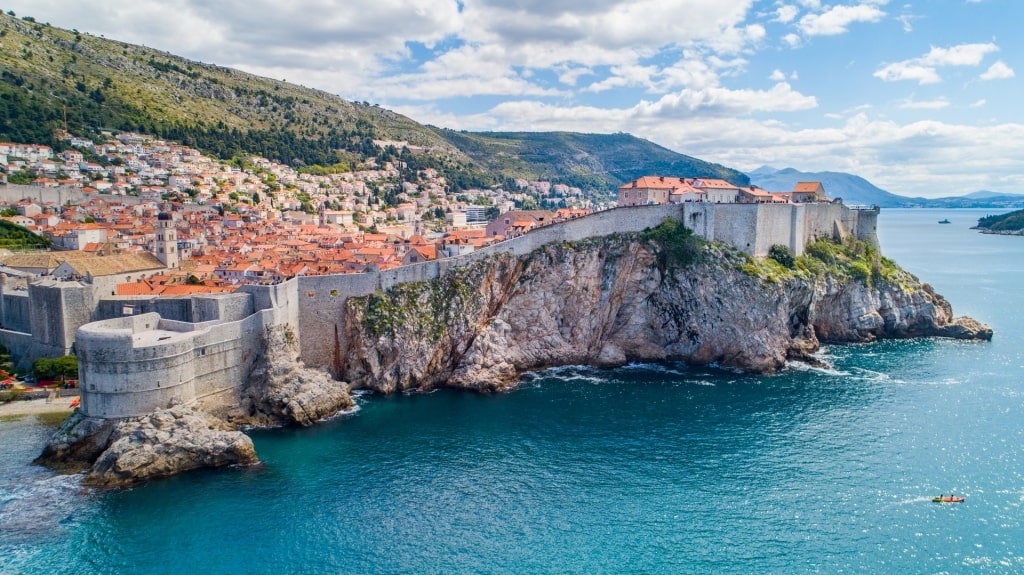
618,299
603,301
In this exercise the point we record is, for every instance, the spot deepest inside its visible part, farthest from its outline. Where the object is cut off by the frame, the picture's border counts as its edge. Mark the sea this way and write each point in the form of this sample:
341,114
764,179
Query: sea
649,468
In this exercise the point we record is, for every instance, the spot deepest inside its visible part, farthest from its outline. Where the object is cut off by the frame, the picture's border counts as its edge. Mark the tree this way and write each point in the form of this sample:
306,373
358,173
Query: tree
64,367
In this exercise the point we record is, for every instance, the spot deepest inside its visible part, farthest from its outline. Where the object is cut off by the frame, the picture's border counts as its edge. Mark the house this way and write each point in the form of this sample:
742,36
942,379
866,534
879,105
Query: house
516,223
649,190
718,191
808,192
755,195
419,254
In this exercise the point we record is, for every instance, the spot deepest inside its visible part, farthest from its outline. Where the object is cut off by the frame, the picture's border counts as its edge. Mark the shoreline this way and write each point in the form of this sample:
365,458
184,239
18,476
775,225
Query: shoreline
40,406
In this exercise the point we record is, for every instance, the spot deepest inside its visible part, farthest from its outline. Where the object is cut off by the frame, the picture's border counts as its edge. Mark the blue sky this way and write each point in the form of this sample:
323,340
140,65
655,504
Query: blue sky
921,98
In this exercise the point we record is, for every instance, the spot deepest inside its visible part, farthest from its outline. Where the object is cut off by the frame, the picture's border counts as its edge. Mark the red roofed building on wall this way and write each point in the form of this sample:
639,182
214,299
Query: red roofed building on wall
652,190
808,192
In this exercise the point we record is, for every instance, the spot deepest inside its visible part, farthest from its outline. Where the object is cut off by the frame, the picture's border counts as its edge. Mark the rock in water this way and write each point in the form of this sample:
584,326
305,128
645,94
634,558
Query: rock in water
166,443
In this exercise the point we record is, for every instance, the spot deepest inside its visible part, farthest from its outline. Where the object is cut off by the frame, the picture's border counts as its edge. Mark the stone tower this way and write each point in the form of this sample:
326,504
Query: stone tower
166,238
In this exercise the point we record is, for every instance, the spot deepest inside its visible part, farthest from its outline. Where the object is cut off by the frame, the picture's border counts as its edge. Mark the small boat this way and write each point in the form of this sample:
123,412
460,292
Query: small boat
945,221
947,499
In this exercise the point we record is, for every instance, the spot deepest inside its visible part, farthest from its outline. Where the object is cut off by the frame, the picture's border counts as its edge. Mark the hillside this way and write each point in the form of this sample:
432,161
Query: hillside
53,79
587,161
14,237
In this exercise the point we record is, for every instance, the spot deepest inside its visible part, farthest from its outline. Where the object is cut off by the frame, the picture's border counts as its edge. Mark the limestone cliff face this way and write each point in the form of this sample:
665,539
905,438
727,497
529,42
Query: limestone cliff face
283,391
613,300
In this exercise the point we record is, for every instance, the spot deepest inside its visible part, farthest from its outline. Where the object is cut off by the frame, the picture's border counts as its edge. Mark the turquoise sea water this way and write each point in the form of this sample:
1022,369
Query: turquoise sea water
644,469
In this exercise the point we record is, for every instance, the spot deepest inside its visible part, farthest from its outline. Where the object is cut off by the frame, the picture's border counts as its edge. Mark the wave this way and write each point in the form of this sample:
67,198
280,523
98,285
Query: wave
802,366
872,376
38,508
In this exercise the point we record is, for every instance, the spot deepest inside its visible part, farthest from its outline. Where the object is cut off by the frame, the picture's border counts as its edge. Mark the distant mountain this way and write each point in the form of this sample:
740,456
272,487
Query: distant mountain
987,195
52,79
852,189
856,190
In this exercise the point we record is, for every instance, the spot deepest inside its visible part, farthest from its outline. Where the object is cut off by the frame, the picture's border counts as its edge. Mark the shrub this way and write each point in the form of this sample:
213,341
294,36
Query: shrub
678,246
782,254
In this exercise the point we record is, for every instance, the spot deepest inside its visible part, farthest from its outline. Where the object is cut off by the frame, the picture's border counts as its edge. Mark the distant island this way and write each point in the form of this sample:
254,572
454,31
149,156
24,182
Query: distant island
1010,224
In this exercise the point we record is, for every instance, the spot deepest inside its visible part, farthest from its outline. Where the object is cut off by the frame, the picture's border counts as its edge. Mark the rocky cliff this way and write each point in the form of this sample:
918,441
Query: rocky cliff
634,297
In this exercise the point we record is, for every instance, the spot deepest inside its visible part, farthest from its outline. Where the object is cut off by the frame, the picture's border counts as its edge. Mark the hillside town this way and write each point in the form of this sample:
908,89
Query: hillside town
163,219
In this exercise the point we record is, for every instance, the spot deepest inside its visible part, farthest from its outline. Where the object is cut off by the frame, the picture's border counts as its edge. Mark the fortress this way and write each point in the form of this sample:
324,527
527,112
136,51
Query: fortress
141,354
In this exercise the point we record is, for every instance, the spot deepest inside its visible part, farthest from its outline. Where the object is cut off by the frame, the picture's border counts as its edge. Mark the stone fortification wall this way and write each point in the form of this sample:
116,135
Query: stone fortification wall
193,309
57,309
755,228
831,219
131,366
57,196
16,311
18,343
283,295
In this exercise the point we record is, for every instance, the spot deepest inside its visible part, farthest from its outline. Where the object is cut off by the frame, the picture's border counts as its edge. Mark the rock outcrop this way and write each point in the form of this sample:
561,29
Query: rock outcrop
126,451
123,452
284,391
613,300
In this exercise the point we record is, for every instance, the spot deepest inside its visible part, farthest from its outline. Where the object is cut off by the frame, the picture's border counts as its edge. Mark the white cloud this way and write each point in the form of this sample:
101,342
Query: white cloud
923,69
836,19
908,71
777,76
570,75
998,71
979,104
786,14
959,55
925,105
792,40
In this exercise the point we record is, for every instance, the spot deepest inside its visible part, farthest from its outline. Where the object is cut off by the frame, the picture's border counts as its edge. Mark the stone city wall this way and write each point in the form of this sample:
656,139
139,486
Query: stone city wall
58,196
131,366
17,313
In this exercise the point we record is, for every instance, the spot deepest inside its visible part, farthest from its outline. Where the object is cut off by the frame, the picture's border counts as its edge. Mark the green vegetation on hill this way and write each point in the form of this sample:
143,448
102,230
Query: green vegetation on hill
52,79
15,237
852,258
586,161
1010,222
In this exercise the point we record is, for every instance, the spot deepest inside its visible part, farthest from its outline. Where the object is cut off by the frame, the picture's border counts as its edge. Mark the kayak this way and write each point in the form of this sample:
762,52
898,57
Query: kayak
949,499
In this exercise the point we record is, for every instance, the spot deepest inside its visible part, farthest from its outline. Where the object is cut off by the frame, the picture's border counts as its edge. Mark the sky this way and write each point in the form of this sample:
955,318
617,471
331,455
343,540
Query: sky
922,98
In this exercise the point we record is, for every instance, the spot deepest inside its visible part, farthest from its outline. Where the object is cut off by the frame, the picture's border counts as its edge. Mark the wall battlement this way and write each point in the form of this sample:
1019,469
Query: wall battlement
134,365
